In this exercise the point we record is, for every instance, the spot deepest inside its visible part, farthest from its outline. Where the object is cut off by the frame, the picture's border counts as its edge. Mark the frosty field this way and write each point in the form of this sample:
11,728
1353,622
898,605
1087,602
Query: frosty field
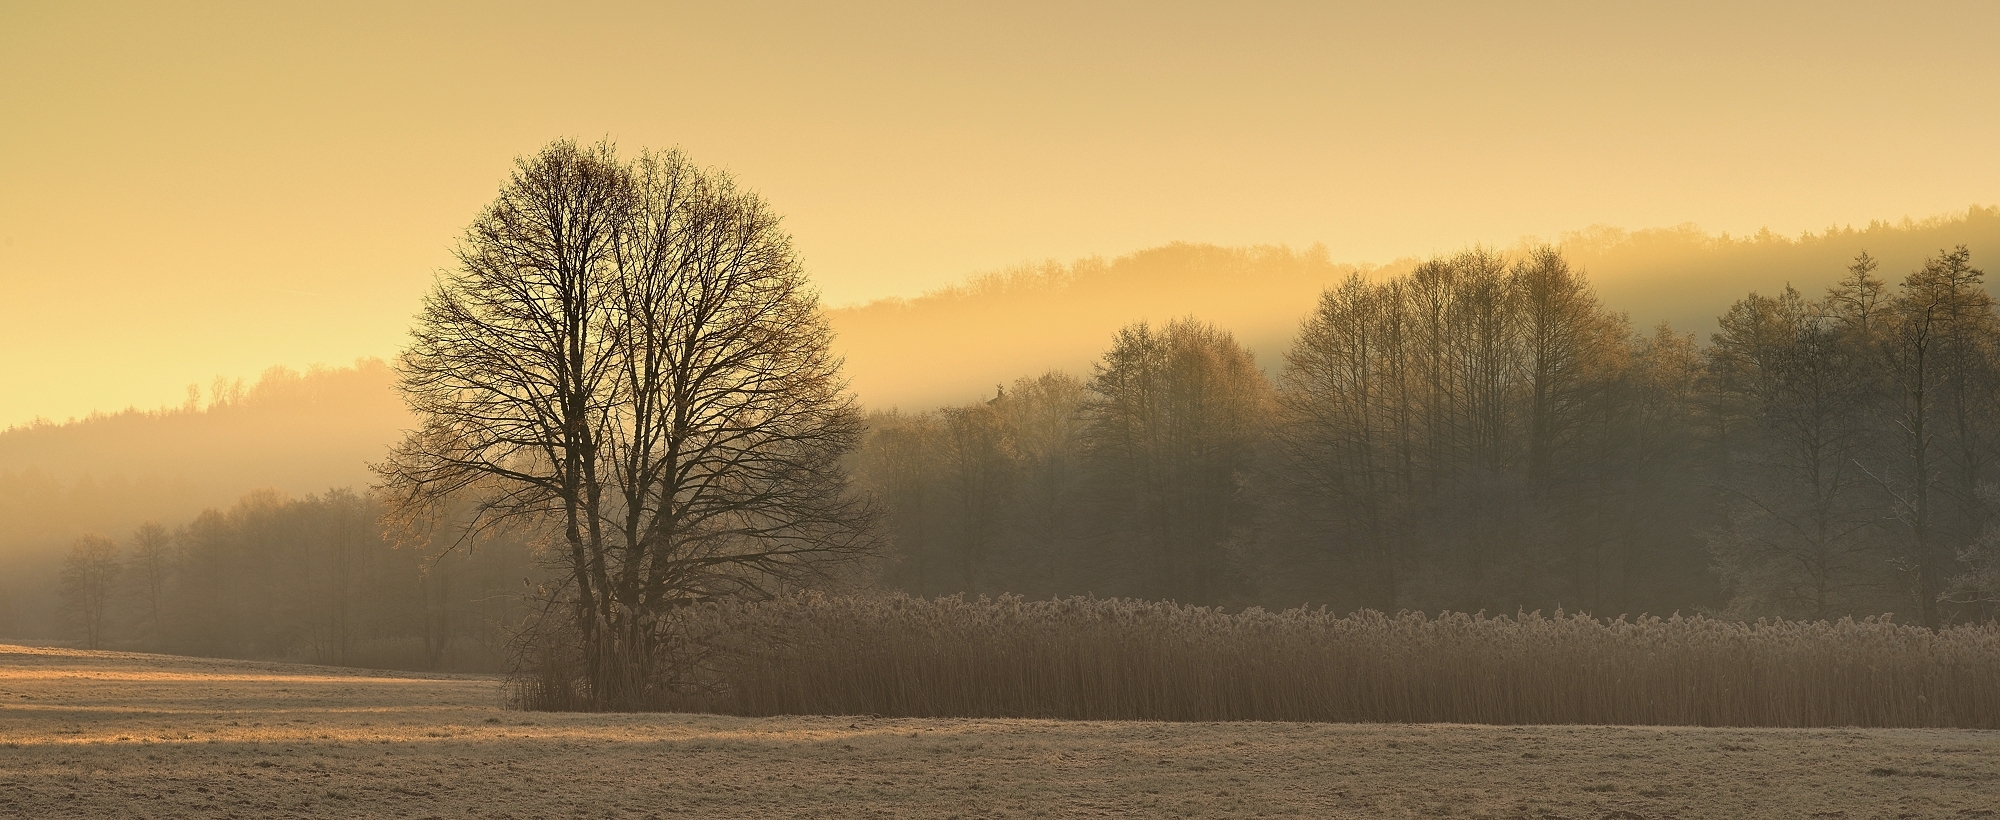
105,734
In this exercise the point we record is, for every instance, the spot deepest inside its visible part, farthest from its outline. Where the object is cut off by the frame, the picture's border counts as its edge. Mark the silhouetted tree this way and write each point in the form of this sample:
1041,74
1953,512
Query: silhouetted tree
1802,539
1045,417
977,467
1940,347
89,582
1480,434
900,466
1343,430
1484,433
1570,350
1172,428
150,566
630,355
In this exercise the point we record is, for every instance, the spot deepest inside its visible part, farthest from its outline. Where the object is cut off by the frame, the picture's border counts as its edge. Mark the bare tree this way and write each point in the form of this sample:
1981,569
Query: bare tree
630,354
977,462
1941,350
151,564
1479,433
89,580
900,465
1338,434
1801,510
1175,418
1045,414
345,529
1569,348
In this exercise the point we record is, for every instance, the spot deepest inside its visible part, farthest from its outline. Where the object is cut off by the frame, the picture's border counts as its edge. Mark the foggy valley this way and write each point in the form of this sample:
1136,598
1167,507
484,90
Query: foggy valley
1532,448
928,361
1015,410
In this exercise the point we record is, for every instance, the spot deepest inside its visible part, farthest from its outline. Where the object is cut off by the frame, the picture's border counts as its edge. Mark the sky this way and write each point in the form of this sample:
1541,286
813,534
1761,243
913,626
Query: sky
209,189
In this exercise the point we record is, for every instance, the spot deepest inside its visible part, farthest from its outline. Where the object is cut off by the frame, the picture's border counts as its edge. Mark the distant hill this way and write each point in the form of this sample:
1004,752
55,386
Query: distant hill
1688,277
299,433
955,344
291,430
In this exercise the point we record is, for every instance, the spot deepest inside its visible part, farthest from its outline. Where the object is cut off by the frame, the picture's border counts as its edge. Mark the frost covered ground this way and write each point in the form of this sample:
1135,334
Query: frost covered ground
103,734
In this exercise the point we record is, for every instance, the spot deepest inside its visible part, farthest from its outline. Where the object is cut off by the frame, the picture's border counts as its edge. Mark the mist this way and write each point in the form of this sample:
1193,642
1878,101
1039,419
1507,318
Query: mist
916,365
290,433
998,326
1028,409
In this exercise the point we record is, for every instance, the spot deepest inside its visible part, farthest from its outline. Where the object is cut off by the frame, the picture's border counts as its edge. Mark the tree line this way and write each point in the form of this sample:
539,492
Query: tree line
1483,434
626,391
316,579
1478,434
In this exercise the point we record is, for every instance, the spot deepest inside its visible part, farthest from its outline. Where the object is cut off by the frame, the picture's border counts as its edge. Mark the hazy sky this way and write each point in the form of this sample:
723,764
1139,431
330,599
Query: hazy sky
189,190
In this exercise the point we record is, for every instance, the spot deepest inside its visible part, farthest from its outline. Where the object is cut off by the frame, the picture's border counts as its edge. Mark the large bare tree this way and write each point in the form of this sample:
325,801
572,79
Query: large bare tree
630,355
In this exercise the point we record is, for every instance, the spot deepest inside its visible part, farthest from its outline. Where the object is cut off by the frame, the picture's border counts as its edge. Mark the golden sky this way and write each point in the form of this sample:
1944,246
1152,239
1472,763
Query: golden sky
210,189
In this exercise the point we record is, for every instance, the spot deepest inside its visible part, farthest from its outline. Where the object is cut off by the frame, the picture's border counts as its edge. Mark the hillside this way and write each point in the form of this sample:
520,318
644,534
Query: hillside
1684,276
298,433
955,344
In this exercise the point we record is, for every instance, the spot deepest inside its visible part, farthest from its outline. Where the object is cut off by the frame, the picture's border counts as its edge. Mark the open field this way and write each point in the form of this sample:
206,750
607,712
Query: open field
100,734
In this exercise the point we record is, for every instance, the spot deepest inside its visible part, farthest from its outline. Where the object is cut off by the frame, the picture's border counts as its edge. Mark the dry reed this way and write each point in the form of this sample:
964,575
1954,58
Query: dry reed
1122,659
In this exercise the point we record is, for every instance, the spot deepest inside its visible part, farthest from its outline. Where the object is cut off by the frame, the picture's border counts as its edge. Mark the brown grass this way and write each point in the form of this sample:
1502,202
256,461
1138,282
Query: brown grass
1131,660
102,734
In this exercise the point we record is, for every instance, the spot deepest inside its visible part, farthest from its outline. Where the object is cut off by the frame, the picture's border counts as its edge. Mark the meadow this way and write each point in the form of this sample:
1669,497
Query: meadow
98,734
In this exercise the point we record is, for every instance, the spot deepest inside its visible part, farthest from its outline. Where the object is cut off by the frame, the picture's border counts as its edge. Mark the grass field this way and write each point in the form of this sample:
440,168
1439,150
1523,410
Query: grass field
102,734
1121,659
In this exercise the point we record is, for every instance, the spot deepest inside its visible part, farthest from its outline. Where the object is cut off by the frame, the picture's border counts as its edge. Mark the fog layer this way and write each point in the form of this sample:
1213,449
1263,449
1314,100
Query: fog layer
956,344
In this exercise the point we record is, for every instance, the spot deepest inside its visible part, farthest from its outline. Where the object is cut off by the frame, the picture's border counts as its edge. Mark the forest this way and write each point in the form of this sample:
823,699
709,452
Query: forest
974,332
315,579
1479,433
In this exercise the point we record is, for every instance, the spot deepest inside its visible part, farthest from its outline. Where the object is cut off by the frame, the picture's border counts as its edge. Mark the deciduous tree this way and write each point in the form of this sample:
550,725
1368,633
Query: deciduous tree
89,584
1174,421
630,355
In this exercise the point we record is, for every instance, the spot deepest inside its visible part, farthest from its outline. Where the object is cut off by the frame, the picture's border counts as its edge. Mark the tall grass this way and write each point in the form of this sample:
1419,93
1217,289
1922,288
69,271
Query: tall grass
1122,659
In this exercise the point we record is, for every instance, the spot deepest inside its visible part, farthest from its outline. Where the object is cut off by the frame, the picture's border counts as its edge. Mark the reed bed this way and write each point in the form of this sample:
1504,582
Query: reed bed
1136,660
